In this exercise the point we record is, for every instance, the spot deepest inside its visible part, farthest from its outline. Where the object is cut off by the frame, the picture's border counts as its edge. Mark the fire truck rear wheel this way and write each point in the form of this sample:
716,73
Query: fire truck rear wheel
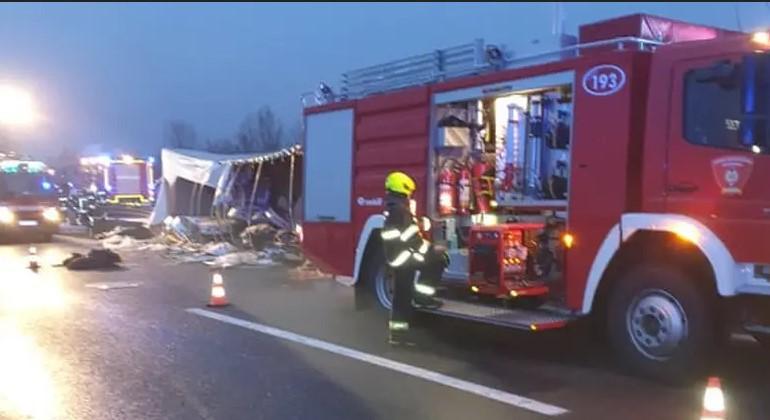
378,280
659,323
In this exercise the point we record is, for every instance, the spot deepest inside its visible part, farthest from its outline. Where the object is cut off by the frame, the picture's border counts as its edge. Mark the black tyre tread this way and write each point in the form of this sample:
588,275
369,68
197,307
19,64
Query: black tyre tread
367,287
690,360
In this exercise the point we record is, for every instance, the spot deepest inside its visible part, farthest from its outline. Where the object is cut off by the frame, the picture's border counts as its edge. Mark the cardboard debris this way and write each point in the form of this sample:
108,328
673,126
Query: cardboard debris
154,248
219,248
270,241
120,242
135,232
240,258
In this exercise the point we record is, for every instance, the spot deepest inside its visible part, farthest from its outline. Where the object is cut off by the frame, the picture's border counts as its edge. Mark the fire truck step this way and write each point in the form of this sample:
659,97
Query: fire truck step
523,319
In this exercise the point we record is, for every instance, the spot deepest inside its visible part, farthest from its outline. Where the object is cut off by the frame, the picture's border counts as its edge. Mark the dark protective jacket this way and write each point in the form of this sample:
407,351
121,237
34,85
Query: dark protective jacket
401,237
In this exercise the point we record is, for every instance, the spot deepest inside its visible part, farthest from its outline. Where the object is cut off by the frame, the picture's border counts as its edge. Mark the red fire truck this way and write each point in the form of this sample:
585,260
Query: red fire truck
623,177
28,201
127,180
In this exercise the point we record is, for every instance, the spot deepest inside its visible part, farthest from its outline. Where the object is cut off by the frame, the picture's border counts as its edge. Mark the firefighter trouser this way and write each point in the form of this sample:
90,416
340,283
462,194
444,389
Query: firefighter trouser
432,270
403,291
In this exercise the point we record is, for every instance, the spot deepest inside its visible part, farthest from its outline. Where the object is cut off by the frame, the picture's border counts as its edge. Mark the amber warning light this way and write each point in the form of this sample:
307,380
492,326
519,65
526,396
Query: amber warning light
761,37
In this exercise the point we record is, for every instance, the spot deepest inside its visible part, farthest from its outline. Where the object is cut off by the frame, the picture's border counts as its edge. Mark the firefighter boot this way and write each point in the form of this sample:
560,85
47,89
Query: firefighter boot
398,334
423,297
425,301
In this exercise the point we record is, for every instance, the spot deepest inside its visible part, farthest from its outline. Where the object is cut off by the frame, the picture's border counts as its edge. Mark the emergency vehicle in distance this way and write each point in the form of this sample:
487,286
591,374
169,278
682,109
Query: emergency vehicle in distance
623,177
106,190
28,199
126,180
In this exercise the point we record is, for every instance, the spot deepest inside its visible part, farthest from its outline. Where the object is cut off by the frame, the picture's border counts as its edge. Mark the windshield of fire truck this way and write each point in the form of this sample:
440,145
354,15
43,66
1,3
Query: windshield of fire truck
25,184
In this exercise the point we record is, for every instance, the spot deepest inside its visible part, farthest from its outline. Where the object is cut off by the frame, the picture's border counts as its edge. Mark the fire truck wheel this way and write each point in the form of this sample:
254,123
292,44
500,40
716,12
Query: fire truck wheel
659,323
377,278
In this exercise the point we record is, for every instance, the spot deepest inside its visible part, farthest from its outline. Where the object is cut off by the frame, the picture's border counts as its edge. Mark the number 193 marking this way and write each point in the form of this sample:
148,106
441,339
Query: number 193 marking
604,79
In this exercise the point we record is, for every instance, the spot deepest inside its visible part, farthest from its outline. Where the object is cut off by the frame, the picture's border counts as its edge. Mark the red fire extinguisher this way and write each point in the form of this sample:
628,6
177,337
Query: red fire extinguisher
483,186
446,192
464,191
508,179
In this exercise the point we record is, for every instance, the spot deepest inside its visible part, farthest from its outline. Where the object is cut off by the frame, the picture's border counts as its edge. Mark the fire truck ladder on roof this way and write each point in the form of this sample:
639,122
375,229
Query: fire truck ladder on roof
415,70
450,63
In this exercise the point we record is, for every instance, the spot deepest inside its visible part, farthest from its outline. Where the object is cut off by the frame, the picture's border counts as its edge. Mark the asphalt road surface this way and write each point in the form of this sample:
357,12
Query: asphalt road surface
140,343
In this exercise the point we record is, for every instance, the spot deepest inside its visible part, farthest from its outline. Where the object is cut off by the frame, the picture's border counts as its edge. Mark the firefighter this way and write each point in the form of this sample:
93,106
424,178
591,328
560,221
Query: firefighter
406,252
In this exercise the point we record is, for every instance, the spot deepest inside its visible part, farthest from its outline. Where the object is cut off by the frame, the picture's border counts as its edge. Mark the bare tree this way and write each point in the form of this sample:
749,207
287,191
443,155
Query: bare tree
260,132
223,145
296,133
180,135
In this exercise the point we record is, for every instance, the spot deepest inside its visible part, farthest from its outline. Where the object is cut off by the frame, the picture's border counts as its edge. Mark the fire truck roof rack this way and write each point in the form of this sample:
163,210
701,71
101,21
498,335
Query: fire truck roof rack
450,63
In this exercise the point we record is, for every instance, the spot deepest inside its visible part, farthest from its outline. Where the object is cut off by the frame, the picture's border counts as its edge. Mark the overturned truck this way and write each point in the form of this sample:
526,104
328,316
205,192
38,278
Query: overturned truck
207,195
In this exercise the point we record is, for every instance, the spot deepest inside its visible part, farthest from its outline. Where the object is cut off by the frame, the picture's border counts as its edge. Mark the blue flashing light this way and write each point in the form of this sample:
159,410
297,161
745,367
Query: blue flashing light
46,185
15,166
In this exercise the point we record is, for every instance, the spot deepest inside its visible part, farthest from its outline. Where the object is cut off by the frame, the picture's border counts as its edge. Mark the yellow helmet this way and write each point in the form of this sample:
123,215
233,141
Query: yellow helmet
399,182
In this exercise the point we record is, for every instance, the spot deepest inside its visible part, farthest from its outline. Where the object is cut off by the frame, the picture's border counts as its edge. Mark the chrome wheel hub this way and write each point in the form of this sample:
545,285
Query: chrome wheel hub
657,324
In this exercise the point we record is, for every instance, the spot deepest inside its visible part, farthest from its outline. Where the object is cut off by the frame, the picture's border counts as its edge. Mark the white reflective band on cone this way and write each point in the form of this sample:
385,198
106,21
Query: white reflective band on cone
409,232
714,400
424,289
394,325
424,247
218,292
390,234
400,259
217,278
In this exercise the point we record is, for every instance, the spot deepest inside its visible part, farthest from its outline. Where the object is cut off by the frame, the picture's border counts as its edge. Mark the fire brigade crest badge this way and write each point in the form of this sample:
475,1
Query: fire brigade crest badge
732,173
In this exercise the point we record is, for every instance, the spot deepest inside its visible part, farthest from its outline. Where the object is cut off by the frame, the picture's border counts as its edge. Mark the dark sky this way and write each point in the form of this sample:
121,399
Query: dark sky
113,74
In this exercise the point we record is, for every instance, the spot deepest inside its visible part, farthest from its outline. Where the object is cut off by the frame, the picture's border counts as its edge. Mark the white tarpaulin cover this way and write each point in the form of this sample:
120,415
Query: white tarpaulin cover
198,167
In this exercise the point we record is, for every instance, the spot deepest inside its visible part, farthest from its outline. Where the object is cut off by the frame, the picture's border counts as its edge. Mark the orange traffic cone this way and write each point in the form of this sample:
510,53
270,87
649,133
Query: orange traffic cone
33,264
713,401
218,295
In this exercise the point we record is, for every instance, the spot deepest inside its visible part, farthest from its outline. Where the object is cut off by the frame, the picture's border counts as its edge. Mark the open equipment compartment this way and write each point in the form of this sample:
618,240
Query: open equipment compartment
501,168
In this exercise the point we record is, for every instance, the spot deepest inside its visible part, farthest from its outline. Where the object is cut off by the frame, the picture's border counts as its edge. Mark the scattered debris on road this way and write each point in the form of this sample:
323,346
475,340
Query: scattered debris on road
269,241
95,260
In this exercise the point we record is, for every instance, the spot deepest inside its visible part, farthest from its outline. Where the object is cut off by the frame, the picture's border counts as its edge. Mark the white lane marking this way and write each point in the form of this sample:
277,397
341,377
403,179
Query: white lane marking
439,378
741,337
112,285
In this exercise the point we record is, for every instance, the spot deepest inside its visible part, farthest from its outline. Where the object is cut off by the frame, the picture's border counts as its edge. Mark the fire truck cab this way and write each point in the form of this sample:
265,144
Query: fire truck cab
622,177
28,200
123,180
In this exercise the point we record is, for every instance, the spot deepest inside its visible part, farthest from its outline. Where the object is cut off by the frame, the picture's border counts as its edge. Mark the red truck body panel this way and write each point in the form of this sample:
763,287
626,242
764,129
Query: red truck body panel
392,132
626,149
